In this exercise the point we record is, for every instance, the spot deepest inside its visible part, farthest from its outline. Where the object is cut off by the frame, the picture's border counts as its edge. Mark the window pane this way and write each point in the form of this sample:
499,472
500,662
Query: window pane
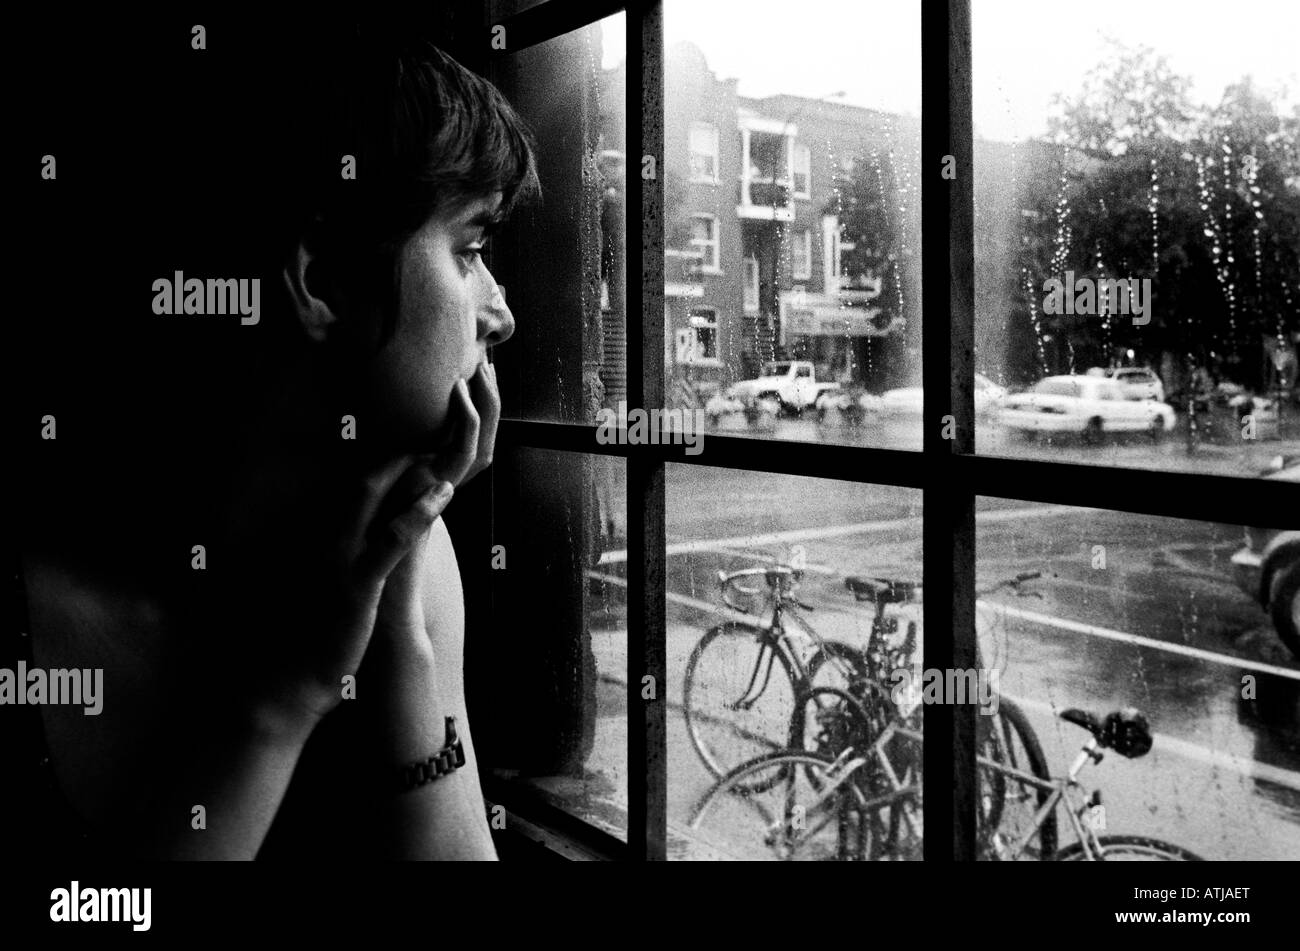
704,152
1137,206
549,681
802,169
727,520
1161,615
818,121
562,261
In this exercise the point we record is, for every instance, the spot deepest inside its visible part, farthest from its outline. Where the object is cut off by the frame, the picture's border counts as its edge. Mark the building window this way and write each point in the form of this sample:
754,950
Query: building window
704,153
751,285
704,236
704,335
802,171
802,257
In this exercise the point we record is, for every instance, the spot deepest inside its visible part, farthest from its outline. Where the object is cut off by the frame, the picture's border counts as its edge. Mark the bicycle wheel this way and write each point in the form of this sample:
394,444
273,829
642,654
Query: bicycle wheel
738,697
788,806
849,723
1129,848
834,666
1007,806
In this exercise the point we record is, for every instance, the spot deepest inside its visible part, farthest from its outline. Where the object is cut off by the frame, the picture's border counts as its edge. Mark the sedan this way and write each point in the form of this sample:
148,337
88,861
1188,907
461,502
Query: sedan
1138,384
907,400
1086,405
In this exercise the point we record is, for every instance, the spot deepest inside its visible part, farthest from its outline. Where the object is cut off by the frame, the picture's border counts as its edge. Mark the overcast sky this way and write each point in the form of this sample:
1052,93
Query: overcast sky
1025,50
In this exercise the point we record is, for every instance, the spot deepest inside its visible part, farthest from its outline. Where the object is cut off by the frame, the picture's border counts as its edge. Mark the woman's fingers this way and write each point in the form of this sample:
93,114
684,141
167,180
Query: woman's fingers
373,490
401,499
487,400
454,463
401,534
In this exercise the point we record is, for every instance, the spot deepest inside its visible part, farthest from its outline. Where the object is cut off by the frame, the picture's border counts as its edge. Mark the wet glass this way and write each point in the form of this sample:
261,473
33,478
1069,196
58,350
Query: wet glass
1164,616
792,208
552,679
773,525
562,260
1137,206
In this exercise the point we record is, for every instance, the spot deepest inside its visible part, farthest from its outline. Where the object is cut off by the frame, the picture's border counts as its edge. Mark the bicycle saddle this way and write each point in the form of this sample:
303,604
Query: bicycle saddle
1126,731
882,590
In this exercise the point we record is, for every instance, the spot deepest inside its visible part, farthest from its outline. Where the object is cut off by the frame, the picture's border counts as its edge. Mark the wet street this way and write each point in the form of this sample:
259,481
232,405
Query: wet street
1132,611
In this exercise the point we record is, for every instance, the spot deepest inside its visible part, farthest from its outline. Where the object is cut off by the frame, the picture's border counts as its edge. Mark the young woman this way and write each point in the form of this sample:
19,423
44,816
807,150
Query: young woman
248,540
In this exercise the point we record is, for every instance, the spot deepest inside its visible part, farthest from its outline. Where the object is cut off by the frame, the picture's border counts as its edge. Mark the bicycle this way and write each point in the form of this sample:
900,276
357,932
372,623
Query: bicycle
733,706
831,807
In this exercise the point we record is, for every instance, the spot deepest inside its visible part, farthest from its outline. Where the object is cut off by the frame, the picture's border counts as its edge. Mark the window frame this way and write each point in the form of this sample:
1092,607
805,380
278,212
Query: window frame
750,284
716,154
801,237
711,246
946,470
698,321
797,150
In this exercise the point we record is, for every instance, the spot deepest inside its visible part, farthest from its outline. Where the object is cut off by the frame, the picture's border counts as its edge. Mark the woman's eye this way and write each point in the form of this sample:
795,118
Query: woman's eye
471,255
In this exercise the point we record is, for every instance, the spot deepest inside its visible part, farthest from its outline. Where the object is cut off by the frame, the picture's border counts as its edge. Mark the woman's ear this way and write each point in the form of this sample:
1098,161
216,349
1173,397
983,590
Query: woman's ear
308,291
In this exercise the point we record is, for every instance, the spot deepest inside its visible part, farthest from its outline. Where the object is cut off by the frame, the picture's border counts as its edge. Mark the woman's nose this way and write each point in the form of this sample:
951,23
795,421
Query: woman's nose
496,323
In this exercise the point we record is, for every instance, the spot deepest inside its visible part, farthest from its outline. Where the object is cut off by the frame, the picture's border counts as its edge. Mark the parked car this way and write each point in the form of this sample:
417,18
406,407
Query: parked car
1268,567
1138,383
793,383
1087,405
908,400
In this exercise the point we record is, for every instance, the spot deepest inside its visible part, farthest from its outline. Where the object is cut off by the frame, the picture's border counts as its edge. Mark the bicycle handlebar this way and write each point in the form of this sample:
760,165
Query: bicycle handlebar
775,575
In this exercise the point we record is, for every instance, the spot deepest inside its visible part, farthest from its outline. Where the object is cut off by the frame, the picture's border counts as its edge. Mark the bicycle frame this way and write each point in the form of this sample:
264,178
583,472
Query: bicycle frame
1061,790
841,771
774,635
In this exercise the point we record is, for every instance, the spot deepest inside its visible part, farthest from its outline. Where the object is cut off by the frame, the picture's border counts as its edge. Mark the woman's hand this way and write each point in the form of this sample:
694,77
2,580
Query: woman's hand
474,413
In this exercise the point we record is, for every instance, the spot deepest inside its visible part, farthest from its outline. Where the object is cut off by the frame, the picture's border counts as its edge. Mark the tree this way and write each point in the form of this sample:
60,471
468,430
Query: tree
878,206
1205,203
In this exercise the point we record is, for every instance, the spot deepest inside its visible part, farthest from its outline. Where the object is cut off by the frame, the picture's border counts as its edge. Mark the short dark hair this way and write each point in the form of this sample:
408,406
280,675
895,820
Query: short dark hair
426,135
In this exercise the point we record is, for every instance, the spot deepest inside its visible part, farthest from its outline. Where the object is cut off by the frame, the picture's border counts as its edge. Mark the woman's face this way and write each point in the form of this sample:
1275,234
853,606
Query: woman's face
451,312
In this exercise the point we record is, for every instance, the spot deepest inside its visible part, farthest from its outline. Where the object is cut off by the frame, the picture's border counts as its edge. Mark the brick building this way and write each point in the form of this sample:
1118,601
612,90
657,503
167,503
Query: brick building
754,250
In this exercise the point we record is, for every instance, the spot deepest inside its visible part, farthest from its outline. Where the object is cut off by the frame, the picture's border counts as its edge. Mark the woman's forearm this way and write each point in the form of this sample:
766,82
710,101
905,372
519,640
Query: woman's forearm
444,819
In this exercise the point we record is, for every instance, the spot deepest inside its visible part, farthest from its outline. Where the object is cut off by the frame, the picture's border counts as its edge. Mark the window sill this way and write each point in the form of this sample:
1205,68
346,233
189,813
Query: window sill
711,271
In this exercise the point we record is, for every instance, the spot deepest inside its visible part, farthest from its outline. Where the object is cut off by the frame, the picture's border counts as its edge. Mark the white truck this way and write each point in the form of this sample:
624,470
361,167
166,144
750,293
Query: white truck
792,383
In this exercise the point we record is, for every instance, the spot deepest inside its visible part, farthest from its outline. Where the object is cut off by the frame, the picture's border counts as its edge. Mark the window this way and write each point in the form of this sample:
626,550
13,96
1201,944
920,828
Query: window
704,327
802,255
750,289
704,153
802,171
1151,111
1159,534
704,236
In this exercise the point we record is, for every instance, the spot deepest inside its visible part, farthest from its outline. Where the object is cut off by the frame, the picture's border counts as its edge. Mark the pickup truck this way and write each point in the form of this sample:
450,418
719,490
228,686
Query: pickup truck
792,383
